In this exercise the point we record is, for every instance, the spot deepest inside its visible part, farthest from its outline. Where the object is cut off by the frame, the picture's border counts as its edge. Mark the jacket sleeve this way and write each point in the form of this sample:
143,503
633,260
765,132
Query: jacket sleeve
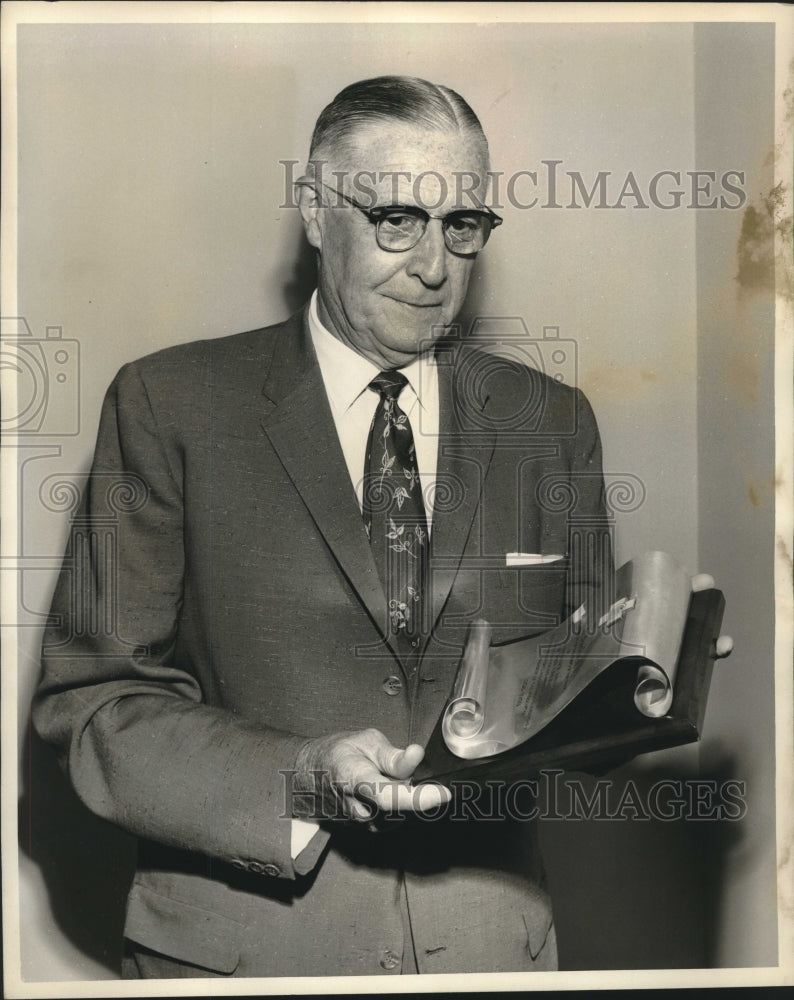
139,745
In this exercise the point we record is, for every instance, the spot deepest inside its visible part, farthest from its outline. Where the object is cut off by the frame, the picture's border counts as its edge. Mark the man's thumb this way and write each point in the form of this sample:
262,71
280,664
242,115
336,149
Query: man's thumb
397,763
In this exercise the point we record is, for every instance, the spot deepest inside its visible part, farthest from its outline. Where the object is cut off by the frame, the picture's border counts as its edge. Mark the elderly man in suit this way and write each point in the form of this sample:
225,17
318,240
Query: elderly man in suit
315,513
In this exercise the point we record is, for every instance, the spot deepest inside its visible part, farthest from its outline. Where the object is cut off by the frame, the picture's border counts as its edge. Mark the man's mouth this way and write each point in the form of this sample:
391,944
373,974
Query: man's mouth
416,305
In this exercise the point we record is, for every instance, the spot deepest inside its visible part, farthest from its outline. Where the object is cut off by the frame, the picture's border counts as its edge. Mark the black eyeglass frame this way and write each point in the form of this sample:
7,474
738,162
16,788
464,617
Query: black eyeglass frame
379,212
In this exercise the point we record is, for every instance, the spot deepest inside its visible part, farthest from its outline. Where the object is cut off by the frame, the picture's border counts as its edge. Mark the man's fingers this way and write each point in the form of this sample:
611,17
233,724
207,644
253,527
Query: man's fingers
394,796
371,775
724,644
723,647
377,794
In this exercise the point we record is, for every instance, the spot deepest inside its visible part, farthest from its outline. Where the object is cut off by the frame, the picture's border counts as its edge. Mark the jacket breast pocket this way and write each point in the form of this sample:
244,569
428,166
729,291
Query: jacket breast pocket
517,601
182,931
525,600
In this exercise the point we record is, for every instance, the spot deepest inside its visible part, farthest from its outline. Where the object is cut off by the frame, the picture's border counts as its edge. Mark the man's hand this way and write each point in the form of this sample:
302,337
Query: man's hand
356,775
724,645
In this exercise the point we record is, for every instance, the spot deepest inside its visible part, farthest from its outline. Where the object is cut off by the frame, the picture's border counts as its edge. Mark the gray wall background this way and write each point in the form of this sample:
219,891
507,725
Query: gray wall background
149,215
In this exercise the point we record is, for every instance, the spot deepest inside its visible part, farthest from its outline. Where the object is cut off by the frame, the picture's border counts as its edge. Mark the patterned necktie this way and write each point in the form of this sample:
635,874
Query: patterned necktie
394,513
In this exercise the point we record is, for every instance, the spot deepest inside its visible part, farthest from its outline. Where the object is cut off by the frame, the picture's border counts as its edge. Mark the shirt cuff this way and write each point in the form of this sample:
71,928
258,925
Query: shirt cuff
307,841
302,832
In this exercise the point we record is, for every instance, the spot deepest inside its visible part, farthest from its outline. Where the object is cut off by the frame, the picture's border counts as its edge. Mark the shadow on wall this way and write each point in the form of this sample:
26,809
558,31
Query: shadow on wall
729,851
87,864
604,873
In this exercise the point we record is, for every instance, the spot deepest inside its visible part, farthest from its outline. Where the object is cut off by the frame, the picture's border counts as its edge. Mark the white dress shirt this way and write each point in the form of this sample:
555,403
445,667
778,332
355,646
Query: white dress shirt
346,376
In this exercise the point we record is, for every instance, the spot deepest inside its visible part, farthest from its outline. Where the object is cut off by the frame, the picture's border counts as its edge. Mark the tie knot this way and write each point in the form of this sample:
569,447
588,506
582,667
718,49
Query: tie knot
389,384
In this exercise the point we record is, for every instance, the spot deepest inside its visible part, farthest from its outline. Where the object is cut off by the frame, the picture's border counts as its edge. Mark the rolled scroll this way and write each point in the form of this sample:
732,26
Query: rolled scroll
504,695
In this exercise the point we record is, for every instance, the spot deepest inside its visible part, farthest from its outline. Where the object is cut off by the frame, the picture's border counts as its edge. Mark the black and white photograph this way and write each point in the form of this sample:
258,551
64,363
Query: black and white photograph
397,494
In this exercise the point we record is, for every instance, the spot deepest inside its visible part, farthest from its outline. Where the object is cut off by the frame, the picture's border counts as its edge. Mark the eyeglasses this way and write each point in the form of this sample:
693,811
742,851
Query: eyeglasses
401,227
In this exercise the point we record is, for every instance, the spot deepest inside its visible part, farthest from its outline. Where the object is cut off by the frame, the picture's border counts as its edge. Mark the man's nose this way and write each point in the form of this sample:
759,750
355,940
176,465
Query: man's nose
428,260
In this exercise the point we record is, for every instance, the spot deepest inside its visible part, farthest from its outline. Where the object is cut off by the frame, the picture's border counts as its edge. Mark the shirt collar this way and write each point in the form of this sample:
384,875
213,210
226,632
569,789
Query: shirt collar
347,374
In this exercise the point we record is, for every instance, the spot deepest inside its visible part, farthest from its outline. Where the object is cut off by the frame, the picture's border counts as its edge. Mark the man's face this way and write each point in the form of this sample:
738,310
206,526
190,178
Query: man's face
389,305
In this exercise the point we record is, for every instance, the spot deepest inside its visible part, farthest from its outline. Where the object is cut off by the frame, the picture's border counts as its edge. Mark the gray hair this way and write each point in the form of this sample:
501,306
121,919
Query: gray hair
392,98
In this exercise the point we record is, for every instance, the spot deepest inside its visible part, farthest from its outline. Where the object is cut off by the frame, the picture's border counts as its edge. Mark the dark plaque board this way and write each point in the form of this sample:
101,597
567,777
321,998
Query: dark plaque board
602,728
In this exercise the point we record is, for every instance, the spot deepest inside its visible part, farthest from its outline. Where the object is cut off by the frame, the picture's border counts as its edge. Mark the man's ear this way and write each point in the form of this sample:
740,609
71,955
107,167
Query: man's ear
309,205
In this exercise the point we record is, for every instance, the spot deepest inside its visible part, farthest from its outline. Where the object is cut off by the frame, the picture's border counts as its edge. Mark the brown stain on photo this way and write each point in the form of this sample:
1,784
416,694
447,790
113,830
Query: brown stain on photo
784,553
761,264
756,250
765,491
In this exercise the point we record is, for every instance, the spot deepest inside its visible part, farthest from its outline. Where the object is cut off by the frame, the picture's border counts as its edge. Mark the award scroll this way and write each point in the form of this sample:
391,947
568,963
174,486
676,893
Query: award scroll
602,686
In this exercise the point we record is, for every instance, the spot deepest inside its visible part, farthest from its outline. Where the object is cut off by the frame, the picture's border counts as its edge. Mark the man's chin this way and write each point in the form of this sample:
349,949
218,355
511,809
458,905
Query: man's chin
418,337
420,342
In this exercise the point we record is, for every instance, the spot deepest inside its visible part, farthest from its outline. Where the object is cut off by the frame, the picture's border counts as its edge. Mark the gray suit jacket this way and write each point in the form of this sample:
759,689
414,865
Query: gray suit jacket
219,604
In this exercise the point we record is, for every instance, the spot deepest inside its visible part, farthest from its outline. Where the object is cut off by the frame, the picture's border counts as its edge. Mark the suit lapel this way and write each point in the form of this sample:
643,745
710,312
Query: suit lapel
299,423
465,449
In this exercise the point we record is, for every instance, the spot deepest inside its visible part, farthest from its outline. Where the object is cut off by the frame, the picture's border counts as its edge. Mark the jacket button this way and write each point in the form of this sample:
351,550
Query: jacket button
388,959
392,685
239,865
256,867
272,870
